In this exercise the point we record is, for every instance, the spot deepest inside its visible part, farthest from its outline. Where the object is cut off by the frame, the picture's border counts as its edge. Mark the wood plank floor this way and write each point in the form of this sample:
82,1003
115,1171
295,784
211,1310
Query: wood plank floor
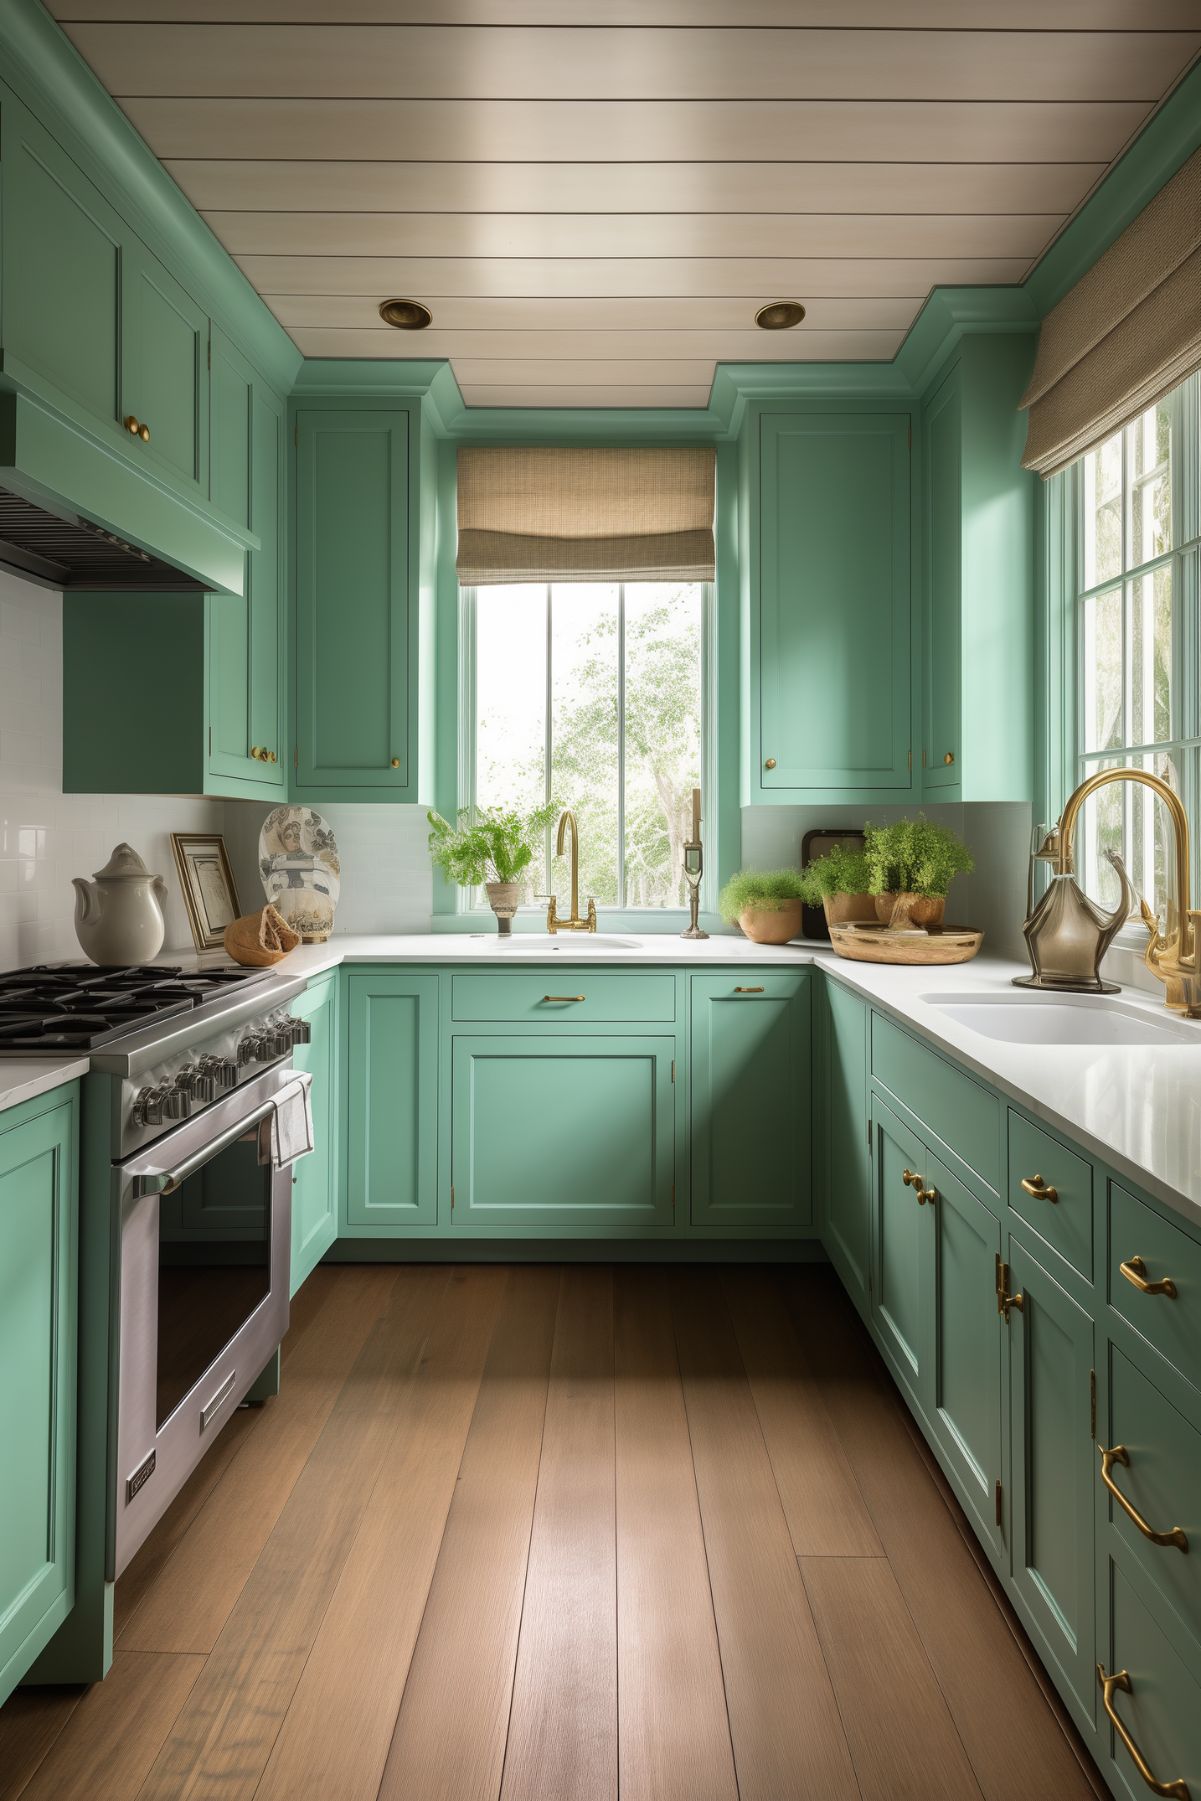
561,1534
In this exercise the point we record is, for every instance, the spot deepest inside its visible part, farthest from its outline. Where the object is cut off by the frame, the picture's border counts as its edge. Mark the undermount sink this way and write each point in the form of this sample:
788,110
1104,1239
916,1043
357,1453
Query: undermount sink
536,944
1063,1019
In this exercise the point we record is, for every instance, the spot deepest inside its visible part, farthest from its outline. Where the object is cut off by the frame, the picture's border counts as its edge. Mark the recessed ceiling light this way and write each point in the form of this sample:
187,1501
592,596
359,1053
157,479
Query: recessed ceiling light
405,315
778,315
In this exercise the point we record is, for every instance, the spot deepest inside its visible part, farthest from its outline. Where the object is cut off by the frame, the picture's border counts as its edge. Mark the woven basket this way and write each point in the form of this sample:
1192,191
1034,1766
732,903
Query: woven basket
260,938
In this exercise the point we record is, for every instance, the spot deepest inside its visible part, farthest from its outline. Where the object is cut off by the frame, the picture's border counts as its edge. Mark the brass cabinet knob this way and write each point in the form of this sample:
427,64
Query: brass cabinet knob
396,762
271,757
907,1176
770,764
144,433
257,752
133,426
949,758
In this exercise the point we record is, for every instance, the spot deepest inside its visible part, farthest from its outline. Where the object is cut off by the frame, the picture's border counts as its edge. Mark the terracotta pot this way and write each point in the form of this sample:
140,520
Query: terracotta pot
772,925
904,909
848,909
503,898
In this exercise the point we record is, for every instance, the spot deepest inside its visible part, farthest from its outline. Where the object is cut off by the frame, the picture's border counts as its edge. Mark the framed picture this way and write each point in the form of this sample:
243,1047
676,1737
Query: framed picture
208,885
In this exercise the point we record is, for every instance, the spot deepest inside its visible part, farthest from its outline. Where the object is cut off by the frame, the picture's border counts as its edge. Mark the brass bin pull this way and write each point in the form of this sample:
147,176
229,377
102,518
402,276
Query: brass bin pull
1040,1188
1135,1272
1119,1454
565,997
1121,1680
748,991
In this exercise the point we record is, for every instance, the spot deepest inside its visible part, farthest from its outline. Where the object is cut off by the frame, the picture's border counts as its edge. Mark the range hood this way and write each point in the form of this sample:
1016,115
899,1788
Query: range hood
67,551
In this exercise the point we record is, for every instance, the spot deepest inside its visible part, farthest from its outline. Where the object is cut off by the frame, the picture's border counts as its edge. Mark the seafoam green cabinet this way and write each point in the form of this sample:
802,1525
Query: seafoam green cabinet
38,1289
750,1100
841,1040
563,1132
358,613
316,1179
164,369
830,684
391,1102
902,1298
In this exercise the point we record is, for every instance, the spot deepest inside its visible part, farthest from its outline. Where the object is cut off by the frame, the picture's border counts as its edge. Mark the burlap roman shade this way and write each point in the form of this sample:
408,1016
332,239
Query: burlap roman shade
538,515
1125,335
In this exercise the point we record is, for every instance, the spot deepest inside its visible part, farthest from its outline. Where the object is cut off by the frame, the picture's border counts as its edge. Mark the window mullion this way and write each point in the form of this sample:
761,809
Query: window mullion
548,734
621,744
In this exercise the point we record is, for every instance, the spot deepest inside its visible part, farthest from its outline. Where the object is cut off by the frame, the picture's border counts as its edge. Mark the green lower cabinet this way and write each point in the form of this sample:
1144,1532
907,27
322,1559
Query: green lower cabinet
750,1063
38,1299
315,1178
902,1294
563,1134
391,1103
965,1406
846,1136
1152,1712
1053,1465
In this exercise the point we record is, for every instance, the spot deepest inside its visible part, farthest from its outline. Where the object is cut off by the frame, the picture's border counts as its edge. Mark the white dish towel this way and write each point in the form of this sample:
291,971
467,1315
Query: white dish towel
292,1121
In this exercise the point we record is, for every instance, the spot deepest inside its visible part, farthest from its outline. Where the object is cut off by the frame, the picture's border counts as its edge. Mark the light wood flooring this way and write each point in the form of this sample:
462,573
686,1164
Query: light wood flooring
533,1533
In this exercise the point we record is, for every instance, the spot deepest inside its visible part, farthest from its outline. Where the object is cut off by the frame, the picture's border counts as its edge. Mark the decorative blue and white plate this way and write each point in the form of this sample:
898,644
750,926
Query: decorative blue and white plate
301,870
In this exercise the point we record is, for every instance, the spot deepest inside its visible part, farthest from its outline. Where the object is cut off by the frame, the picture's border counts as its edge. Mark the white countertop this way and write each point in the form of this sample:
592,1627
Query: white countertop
1137,1108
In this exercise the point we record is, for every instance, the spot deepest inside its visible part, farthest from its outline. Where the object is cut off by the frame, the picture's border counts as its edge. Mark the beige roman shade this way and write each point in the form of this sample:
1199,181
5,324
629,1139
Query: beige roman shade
585,515
1125,335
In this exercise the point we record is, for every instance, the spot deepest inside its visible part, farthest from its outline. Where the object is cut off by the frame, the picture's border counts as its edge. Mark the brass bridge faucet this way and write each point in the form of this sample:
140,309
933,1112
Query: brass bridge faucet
575,923
1067,935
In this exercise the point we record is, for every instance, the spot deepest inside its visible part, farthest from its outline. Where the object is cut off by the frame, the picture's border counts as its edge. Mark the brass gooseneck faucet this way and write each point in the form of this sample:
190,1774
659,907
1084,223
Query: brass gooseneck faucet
1067,934
575,923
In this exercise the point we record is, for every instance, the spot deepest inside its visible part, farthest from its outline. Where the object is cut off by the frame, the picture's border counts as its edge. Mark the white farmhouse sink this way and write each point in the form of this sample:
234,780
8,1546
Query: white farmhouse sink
1064,1019
571,944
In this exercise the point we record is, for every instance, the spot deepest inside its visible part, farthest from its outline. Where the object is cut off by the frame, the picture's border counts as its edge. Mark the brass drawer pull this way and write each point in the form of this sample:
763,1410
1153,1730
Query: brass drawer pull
136,429
925,1195
1119,1454
1040,1188
748,991
1121,1680
1135,1272
565,997
909,1179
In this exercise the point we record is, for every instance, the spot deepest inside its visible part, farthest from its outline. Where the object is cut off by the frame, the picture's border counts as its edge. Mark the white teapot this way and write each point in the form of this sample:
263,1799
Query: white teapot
119,914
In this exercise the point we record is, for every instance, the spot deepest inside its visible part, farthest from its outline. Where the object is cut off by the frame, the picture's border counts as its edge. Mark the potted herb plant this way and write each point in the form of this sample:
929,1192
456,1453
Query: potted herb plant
911,865
493,848
765,903
838,882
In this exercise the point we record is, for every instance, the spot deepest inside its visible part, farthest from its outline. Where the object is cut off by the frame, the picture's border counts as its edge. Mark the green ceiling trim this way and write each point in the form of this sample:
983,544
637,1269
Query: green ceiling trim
47,73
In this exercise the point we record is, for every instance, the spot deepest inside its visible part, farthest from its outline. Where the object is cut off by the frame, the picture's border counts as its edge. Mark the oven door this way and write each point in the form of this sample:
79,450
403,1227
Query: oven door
204,1219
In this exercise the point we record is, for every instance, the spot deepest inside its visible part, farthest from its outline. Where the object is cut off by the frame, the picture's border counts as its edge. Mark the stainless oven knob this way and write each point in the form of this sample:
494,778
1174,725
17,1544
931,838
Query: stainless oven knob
266,1047
300,1031
222,1072
177,1102
247,1049
197,1083
147,1109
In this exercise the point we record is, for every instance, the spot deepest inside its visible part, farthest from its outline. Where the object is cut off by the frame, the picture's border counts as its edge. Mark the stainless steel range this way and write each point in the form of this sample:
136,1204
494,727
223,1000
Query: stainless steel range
192,1116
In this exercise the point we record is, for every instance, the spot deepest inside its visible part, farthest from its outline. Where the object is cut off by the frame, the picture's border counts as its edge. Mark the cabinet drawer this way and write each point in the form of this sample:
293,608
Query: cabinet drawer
1060,1208
1160,1476
1160,1709
569,996
1143,1248
957,1110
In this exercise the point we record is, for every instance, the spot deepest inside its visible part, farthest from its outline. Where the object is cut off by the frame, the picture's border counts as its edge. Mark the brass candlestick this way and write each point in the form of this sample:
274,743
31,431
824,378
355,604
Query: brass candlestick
694,868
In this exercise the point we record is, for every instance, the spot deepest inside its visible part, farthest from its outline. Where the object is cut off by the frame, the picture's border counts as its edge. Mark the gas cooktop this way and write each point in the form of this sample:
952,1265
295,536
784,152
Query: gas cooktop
64,1008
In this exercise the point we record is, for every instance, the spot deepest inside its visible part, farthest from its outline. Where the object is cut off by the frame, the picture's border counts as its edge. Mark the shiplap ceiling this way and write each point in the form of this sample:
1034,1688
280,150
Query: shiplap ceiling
593,199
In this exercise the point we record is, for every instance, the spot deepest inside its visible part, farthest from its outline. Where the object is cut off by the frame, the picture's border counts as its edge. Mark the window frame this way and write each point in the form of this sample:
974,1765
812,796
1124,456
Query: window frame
472,904
1067,762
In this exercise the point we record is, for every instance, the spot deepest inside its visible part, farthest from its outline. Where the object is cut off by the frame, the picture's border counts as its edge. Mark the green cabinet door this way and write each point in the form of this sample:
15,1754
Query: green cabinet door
315,1178
565,1135
355,612
246,739
966,1398
833,650
846,1138
942,440
164,369
61,271
1054,1473
391,1107
38,1239
751,1150
902,1300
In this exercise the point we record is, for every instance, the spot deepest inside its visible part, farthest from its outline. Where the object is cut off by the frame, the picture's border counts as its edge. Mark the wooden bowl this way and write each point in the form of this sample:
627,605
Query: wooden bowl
878,944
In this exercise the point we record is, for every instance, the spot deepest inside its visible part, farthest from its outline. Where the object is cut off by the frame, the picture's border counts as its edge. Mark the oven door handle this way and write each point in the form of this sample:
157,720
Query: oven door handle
162,1181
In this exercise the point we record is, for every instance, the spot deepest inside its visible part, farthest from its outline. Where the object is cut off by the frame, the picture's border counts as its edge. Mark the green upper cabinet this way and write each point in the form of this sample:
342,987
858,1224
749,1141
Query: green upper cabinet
751,1152
38,1284
828,687
361,628
164,369
979,597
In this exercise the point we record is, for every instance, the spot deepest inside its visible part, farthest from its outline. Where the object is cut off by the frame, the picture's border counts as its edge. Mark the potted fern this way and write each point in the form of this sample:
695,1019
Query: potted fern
492,849
911,865
765,903
838,883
